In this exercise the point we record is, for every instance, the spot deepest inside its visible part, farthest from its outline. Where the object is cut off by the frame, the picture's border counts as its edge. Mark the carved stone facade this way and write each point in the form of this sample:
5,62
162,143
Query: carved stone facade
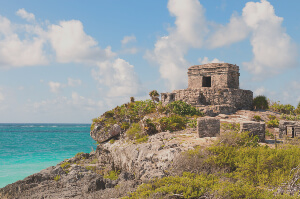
215,85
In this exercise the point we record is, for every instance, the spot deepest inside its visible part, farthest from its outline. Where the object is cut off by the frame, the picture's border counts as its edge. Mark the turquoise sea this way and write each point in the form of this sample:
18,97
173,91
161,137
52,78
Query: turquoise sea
28,148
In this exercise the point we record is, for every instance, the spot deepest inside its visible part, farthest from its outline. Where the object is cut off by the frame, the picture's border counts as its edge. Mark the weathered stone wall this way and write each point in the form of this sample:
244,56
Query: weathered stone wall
282,127
240,99
223,75
255,128
208,127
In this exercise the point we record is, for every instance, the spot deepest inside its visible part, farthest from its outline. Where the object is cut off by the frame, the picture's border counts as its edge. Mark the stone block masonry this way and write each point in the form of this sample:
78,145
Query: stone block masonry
254,128
208,127
213,85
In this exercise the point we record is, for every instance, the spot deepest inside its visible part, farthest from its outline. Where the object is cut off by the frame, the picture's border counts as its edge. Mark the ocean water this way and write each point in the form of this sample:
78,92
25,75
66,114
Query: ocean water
28,148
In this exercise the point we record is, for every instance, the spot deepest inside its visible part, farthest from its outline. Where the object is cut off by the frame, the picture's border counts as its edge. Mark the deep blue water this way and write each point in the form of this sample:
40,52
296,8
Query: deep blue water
28,148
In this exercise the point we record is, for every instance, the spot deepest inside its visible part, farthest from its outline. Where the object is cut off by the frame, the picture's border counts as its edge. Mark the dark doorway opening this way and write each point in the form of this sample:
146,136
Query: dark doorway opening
206,82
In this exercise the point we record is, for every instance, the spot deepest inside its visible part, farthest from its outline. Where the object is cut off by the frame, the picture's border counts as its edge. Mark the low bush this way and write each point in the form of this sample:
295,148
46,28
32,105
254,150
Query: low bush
267,133
112,141
257,117
282,108
230,127
113,175
173,123
56,178
260,102
133,131
182,108
273,123
65,165
272,117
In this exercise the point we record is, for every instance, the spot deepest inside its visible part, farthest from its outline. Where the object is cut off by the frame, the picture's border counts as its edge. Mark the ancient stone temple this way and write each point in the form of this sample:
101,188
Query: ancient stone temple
213,88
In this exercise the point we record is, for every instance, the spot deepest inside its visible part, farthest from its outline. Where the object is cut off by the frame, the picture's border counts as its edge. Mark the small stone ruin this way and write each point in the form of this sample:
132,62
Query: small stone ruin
208,127
214,89
254,128
289,129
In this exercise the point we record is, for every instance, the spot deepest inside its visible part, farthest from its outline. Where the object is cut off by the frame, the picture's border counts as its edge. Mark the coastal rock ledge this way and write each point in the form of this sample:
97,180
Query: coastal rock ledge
83,176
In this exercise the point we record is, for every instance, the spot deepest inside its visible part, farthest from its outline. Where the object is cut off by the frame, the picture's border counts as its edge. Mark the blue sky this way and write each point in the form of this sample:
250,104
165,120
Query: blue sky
70,61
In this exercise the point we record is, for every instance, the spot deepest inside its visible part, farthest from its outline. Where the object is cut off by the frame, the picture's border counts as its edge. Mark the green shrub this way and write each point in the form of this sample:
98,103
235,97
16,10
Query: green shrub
125,126
257,117
142,139
173,123
78,154
230,126
113,175
282,108
273,123
272,117
182,108
134,130
56,178
192,123
65,165
112,141
260,102
290,117
267,133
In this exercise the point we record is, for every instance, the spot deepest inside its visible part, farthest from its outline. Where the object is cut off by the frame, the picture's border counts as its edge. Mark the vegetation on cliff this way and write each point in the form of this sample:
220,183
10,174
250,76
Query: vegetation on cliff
138,119
236,166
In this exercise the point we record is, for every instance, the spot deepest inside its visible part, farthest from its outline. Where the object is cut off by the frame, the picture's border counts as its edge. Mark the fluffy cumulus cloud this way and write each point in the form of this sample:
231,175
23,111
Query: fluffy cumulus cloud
205,60
69,43
189,32
272,46
25,15
236,30
119,76
72,44
273,49
16,52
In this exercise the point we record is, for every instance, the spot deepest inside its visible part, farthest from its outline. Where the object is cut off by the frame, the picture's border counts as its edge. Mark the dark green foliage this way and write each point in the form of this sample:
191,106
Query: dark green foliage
260,102
183,109
154,95
132,99
173,123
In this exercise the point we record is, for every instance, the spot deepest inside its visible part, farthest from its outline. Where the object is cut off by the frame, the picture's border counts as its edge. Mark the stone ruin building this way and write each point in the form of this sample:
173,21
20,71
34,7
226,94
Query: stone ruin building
289,128
214,89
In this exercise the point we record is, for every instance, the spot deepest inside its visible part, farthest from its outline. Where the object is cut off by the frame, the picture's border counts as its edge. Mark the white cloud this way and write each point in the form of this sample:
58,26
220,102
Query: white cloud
55,86
272,48
25,15
72,44
236,30
128,39
205,60
119,76
74,82
169,51
15,52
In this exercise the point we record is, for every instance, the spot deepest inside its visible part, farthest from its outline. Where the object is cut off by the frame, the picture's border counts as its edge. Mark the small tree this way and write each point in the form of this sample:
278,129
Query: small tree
260,102
132,99
154,95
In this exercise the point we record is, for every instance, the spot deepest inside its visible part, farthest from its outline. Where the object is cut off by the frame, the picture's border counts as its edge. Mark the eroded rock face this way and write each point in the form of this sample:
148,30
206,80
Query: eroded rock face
146,160
101,134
